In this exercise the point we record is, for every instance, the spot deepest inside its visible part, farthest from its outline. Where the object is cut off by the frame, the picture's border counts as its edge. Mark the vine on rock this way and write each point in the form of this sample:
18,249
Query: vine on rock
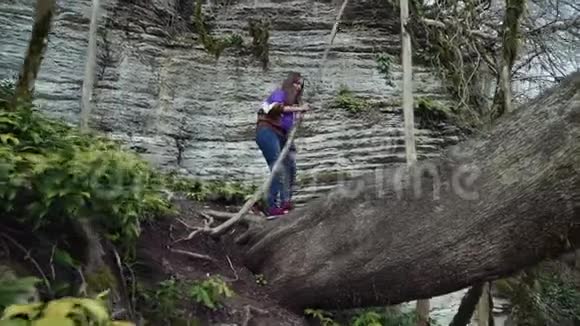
259,30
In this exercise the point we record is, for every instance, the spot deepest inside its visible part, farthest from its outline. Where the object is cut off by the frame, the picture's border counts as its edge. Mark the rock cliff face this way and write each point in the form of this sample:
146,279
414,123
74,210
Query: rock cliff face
163,95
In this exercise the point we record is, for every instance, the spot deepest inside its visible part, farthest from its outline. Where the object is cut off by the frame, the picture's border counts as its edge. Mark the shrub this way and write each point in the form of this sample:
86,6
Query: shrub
61,312
346,100
542,296
217,191
51,175
430,113
210,292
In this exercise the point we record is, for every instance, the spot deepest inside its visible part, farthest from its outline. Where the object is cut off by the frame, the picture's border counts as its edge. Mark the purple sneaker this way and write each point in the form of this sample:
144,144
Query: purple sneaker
274,212
287,205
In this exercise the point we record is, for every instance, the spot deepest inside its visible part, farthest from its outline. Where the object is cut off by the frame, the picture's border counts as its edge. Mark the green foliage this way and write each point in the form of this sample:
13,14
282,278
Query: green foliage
346,100
384,66
260,32
61,312
430,113
228,193
52,175
324,317
542,297
382,317
161,304
6,92
14,291
213,45
165,303
210,292
100,280
366,317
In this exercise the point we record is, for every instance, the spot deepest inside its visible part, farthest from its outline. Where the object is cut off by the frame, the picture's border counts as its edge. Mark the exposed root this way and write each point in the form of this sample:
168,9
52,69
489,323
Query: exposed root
192,254
233,270
196,230
208,219
27,256
51,263
123,285
224,216
248,310
84,285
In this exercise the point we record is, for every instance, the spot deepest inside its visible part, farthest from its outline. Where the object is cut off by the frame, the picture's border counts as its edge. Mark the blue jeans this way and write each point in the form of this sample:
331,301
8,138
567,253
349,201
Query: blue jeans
270,143
290,175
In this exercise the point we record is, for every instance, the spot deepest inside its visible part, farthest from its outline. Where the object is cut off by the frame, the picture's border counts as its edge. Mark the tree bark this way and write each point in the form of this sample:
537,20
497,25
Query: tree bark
36,47
467,306
486,209
90,65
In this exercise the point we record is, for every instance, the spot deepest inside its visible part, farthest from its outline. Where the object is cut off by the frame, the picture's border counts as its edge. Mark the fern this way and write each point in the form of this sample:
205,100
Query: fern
324,317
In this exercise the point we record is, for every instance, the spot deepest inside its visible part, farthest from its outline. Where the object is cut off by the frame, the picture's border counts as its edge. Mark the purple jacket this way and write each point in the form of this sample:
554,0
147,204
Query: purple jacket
278,96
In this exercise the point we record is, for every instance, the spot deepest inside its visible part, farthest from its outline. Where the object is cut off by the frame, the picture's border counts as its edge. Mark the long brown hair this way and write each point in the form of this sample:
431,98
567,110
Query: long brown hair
292,96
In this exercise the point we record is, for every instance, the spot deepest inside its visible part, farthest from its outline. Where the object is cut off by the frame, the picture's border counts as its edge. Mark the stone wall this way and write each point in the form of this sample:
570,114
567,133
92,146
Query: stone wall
165,97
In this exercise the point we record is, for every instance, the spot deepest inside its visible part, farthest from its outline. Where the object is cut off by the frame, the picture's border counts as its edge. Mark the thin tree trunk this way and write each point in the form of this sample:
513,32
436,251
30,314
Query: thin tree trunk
90,65
406,58
422,307
467,307
483,307
510,46
34,55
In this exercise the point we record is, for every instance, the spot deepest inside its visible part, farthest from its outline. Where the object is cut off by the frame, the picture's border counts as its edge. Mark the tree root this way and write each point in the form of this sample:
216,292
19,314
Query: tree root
248,310
212,215
192,254
28,257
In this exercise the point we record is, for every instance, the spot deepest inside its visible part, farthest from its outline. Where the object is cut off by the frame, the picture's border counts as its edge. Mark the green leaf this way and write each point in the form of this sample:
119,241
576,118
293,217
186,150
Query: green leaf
63,258
9,138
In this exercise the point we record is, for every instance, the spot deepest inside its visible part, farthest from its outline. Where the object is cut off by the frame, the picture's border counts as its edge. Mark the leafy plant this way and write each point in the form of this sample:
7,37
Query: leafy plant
210,292
52,175
542,296
16,291
61,312
213,45
348,101
260,33
324,317
163,303
384,64
368,318
430,113
218,191
6,92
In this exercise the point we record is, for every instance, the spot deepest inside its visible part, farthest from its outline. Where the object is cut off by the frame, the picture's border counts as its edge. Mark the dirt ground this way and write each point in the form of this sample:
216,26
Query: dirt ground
225,261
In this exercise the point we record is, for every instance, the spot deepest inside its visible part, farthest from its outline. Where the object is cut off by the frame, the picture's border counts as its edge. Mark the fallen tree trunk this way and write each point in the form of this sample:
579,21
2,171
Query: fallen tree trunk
486,209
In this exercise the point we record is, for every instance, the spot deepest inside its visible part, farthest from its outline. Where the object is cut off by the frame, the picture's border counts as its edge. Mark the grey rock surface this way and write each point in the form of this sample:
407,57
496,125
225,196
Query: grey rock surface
164,96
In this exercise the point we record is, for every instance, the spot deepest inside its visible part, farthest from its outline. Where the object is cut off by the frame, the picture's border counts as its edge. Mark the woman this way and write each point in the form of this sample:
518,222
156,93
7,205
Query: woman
275,120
